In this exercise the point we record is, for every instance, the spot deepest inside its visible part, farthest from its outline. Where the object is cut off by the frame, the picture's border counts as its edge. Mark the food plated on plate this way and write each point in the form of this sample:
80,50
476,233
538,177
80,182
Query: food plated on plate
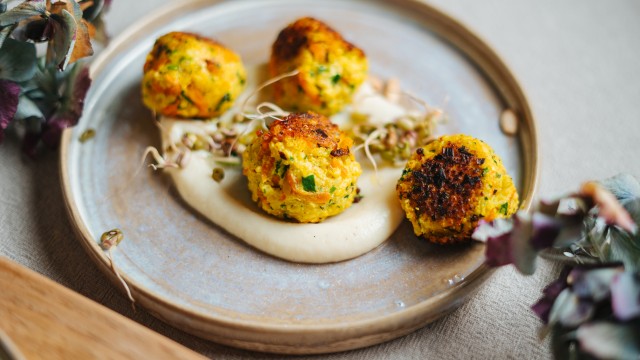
329,68
452,183
302,169
190,76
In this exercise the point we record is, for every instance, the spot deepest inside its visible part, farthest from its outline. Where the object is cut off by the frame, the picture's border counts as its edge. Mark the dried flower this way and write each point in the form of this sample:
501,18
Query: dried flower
51,88
592,310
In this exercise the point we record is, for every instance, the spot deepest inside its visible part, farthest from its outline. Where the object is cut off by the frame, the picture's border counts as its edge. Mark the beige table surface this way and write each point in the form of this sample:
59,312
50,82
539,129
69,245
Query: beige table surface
579,62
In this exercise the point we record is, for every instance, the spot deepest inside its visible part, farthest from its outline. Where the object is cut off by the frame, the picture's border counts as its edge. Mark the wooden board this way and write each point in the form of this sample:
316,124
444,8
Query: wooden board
46,320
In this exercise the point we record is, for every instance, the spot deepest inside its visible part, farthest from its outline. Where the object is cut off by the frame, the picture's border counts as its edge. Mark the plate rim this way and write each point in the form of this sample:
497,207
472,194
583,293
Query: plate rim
326,338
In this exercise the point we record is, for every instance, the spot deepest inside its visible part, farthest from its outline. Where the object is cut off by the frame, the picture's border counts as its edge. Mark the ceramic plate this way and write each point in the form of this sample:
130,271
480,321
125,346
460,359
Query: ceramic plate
192,274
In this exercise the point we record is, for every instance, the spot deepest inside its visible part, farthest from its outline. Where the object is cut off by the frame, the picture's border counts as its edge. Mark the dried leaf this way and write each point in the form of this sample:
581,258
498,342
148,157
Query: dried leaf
17,60
623,187
38,31
608,206
569,310
593,284
625,296
486,230
4,33
610,341
542,308
23,11
9,93
91,9
81,46
27,109
78,84
508,242
64,38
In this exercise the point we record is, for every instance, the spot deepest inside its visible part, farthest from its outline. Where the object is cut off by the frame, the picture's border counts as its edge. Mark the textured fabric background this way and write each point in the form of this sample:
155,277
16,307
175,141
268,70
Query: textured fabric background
579,62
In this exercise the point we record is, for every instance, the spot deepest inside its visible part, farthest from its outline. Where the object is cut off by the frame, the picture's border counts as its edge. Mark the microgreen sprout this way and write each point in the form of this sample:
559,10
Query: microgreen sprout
109,240
395,140
264,85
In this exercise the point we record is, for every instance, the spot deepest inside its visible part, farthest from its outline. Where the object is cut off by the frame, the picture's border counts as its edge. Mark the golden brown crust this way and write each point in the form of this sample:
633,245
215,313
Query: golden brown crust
447,185
314,128
452,183
190,76
330,69
295,37
301,168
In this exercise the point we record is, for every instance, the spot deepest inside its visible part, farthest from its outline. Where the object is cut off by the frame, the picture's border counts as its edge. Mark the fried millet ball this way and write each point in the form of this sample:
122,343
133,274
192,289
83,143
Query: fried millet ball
330,68
302,168
190,76
452,183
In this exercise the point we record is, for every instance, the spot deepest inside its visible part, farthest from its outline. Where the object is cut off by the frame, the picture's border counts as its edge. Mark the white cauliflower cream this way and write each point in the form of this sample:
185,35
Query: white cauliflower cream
227,203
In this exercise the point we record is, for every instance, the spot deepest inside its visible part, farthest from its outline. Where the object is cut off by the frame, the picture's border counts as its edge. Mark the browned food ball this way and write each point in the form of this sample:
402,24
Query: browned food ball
190,76
330,68
452,183
302,168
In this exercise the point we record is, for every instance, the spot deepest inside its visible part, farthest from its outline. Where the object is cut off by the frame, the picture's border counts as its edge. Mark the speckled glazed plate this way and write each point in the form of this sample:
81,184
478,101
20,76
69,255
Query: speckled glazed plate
192,274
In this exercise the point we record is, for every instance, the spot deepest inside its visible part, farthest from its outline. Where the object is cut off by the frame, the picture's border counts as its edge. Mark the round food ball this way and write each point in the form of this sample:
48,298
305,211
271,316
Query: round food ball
452,183
330,68
189,76
302,168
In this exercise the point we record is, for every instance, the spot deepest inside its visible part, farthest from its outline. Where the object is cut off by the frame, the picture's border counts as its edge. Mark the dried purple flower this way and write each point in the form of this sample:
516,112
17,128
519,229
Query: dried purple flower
625,296
71,109
609,208
9,93
50,96
606,340
542,308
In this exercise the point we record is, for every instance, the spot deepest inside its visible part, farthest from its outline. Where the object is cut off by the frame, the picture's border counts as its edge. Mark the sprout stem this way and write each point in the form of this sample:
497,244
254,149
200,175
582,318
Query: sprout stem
117,273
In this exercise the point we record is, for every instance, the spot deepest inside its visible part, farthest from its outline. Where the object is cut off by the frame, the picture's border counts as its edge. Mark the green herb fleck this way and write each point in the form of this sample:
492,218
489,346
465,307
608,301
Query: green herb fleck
172,67
182,93
498,175
485,171
309,183
335,78
332,190
504,208
225,98
284,171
